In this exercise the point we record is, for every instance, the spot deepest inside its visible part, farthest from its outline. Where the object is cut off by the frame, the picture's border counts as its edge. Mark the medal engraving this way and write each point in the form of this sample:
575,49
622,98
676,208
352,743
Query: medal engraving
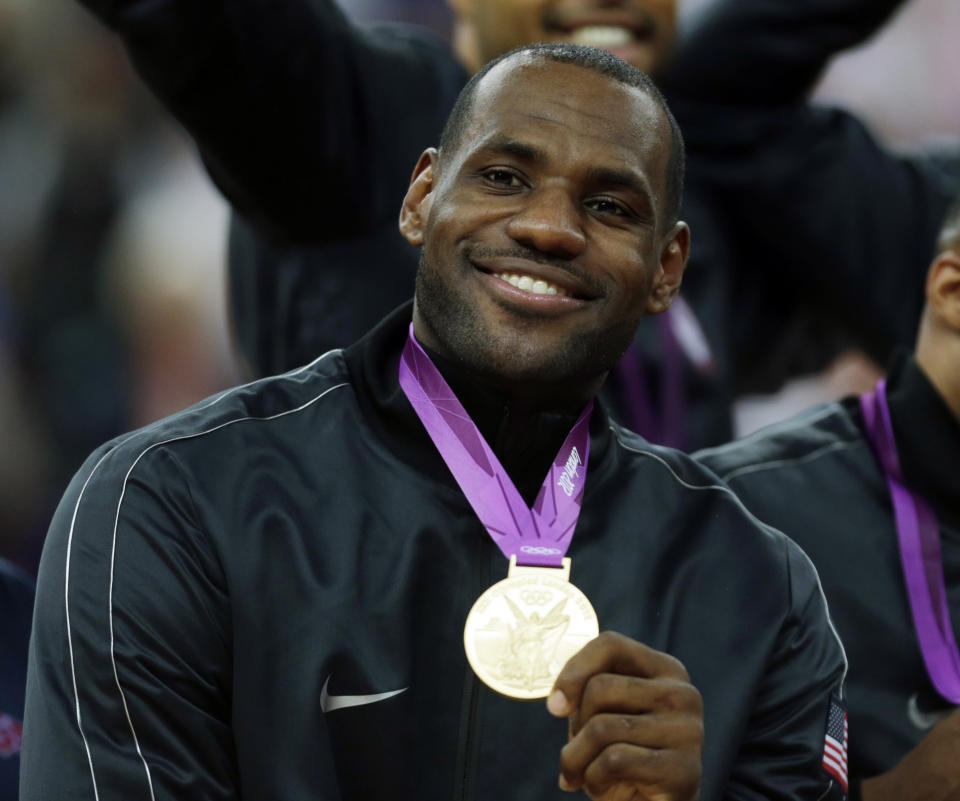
522,630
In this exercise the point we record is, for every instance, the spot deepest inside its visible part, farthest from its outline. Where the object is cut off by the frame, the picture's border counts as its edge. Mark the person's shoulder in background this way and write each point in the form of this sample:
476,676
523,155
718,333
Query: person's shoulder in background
820,430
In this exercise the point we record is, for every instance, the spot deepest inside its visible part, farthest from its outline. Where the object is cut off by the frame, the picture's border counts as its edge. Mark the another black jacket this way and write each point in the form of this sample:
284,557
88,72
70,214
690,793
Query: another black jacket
209,579
816,478
805,233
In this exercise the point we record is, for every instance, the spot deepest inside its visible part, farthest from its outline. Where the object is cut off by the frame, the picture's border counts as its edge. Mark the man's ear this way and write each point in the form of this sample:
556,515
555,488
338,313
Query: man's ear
416,203
673,261
943,288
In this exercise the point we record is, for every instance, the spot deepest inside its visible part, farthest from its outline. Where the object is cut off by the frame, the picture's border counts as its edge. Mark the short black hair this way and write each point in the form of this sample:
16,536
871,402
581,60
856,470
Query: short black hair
949,238
599,61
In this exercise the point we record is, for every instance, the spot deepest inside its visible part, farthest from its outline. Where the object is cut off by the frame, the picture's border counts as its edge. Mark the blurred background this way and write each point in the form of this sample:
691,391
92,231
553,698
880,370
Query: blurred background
112,294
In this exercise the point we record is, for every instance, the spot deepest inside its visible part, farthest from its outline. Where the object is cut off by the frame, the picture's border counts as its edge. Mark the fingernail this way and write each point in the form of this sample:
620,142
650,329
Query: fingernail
563,785
557,704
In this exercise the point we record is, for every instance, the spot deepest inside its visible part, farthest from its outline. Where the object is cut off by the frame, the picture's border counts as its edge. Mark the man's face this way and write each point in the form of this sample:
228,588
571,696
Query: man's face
541,233
638,31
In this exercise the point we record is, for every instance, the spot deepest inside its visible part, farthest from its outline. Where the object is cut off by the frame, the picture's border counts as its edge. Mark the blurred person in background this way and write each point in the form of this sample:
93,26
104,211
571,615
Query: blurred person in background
16,608
870,488
284,100
92,324
79,149
60,124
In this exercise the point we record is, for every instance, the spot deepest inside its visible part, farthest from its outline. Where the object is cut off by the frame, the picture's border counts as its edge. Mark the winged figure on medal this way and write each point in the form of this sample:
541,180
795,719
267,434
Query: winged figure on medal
532,643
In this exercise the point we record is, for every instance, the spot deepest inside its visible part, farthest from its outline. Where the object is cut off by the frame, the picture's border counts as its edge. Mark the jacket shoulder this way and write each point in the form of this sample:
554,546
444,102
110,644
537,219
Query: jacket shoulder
267,399
684,471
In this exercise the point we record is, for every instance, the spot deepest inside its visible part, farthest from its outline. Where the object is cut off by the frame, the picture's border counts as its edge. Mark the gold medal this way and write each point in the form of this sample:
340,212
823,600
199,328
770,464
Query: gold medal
522,630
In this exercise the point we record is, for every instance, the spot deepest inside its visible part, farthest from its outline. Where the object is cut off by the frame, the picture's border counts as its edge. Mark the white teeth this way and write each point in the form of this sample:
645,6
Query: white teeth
535,285
602,36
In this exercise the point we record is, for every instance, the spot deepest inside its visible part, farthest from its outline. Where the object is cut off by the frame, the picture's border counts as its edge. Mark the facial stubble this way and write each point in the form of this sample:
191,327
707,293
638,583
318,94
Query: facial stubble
509,357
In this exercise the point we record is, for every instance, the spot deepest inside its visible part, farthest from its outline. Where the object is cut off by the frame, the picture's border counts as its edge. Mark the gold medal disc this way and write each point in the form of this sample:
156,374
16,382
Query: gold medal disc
522,630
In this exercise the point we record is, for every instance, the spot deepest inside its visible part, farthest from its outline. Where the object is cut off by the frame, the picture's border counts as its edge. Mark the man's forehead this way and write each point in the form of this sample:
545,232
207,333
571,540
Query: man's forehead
527,92
535,81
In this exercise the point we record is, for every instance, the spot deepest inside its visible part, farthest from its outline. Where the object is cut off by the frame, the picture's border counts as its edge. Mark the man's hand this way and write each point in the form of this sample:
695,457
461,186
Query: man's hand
636,723
930,772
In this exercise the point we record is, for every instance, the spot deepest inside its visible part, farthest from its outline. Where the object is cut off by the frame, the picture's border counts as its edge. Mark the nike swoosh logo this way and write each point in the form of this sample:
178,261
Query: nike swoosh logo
328,702
923,720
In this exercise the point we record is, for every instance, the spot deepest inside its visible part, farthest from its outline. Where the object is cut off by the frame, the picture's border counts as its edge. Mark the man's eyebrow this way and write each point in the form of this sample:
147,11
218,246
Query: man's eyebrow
626,179
511,147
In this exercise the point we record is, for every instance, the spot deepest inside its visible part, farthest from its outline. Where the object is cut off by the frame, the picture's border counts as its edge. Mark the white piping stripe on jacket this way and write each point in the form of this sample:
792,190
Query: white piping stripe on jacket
76,508
759,467
802,420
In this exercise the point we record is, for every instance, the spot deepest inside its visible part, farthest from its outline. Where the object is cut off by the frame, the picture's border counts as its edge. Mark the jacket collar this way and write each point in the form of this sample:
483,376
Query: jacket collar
928,438
525,442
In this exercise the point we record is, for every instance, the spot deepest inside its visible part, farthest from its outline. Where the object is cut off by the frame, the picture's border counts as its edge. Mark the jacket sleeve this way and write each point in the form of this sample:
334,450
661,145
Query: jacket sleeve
293,107
820,213
767,52
127,695
826,217
782,752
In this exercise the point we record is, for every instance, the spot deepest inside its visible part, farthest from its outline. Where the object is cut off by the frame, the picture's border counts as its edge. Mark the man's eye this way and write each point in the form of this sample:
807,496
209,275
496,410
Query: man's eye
502,178
605,205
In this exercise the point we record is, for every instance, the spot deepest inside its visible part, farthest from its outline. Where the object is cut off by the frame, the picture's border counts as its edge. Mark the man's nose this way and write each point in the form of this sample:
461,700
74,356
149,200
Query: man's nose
550,222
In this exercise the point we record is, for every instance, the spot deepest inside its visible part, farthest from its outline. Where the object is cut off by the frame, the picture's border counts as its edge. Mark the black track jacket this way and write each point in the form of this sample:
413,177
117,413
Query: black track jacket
215,581
816,478
311,126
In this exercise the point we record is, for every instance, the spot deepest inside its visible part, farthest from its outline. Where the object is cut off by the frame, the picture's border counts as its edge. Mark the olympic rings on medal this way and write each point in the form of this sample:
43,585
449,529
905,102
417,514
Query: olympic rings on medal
535,597
540,550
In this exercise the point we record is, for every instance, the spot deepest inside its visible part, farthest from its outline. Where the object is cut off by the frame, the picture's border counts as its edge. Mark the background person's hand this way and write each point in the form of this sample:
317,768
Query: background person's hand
636,723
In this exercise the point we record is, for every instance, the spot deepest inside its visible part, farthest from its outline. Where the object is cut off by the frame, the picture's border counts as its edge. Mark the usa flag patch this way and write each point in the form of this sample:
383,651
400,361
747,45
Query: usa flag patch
835,742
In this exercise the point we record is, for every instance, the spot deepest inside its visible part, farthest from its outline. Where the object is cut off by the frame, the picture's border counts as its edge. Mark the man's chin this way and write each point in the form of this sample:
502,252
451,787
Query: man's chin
519,361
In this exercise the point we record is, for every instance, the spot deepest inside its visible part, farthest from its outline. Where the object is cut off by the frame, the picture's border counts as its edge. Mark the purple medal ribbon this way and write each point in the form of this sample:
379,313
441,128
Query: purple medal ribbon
538,536
919,552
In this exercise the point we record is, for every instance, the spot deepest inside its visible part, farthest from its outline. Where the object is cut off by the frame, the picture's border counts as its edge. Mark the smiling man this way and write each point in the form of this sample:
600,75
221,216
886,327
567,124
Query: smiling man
311,586
533,290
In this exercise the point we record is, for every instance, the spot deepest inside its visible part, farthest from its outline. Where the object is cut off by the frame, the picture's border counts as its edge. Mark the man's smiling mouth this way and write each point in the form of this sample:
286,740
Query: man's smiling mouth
604,29
604,37
533,277
530,284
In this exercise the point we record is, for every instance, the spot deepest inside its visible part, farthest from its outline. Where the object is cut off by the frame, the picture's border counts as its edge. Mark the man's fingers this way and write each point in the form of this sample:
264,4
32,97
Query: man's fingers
611,692
636,722
652,739
609,653
672,773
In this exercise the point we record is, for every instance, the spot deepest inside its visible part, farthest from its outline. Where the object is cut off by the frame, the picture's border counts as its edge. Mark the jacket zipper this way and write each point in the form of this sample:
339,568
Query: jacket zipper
481,579
467,750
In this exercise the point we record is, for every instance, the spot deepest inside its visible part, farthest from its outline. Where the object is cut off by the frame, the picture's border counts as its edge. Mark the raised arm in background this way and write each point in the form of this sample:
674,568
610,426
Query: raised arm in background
844,225
287,103
768,52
